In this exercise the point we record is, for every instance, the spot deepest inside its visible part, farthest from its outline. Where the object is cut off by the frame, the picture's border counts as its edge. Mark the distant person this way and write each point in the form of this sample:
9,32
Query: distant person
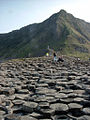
60,59
78,59
47,54
56,59
50,51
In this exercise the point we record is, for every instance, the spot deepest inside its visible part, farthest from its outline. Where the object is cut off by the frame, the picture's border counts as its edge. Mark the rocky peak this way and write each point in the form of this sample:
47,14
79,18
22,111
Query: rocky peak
63,11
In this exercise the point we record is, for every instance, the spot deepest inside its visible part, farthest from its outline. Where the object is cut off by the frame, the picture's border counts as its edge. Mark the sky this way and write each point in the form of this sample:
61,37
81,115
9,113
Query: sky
15,14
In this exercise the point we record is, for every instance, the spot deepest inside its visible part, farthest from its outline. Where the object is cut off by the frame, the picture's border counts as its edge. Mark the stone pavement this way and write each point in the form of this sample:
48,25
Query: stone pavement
39,89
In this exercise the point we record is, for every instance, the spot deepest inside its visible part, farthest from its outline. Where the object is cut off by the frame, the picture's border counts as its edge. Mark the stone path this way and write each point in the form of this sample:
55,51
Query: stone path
39,89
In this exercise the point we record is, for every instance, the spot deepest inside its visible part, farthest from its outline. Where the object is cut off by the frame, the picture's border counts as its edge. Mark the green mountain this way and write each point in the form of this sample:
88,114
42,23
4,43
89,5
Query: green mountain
62,32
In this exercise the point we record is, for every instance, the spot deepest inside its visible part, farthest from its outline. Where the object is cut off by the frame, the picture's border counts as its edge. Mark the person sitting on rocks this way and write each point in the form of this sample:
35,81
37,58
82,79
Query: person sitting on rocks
60,59
56,59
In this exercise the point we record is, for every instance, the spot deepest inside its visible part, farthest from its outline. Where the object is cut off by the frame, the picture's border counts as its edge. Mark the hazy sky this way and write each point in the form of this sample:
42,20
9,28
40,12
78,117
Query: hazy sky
15,14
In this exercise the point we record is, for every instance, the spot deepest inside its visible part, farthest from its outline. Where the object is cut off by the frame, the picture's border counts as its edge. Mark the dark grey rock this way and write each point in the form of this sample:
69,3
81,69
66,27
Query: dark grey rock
43,105
47,112
59,107
27,118
60,117
36,115
61,95
18,102
24,91
66,91
75,106
2,112
12,117
84,117
21,96
1,118
86,111
8,91
29,106
78,100
67,100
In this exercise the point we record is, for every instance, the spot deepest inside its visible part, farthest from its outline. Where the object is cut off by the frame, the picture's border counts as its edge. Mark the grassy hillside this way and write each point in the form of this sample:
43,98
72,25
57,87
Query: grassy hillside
61,31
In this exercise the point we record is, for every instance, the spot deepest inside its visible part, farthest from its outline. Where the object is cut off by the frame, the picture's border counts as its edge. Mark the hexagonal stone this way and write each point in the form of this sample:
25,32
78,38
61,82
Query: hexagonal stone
64,73
67,100
21,96
29,106
42,85
18,102
12,117
72,95
73,73
84,117
44,105
24,91
78,100
3,107
40,99
2,112
58,88
71,77
59,107
47,112
31,87
49,98
36,115
62,84
86,111
75,106
66,91
8,103
88,90
8,91
1,118
60,117
27,118
11,97
60,95
51,82
42,90
2,98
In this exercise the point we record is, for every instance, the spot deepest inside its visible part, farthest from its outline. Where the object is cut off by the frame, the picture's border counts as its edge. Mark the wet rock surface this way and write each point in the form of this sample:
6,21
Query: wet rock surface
39,89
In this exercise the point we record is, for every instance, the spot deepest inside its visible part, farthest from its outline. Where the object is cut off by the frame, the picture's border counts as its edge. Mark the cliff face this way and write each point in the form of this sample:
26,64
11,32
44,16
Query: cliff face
61,30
